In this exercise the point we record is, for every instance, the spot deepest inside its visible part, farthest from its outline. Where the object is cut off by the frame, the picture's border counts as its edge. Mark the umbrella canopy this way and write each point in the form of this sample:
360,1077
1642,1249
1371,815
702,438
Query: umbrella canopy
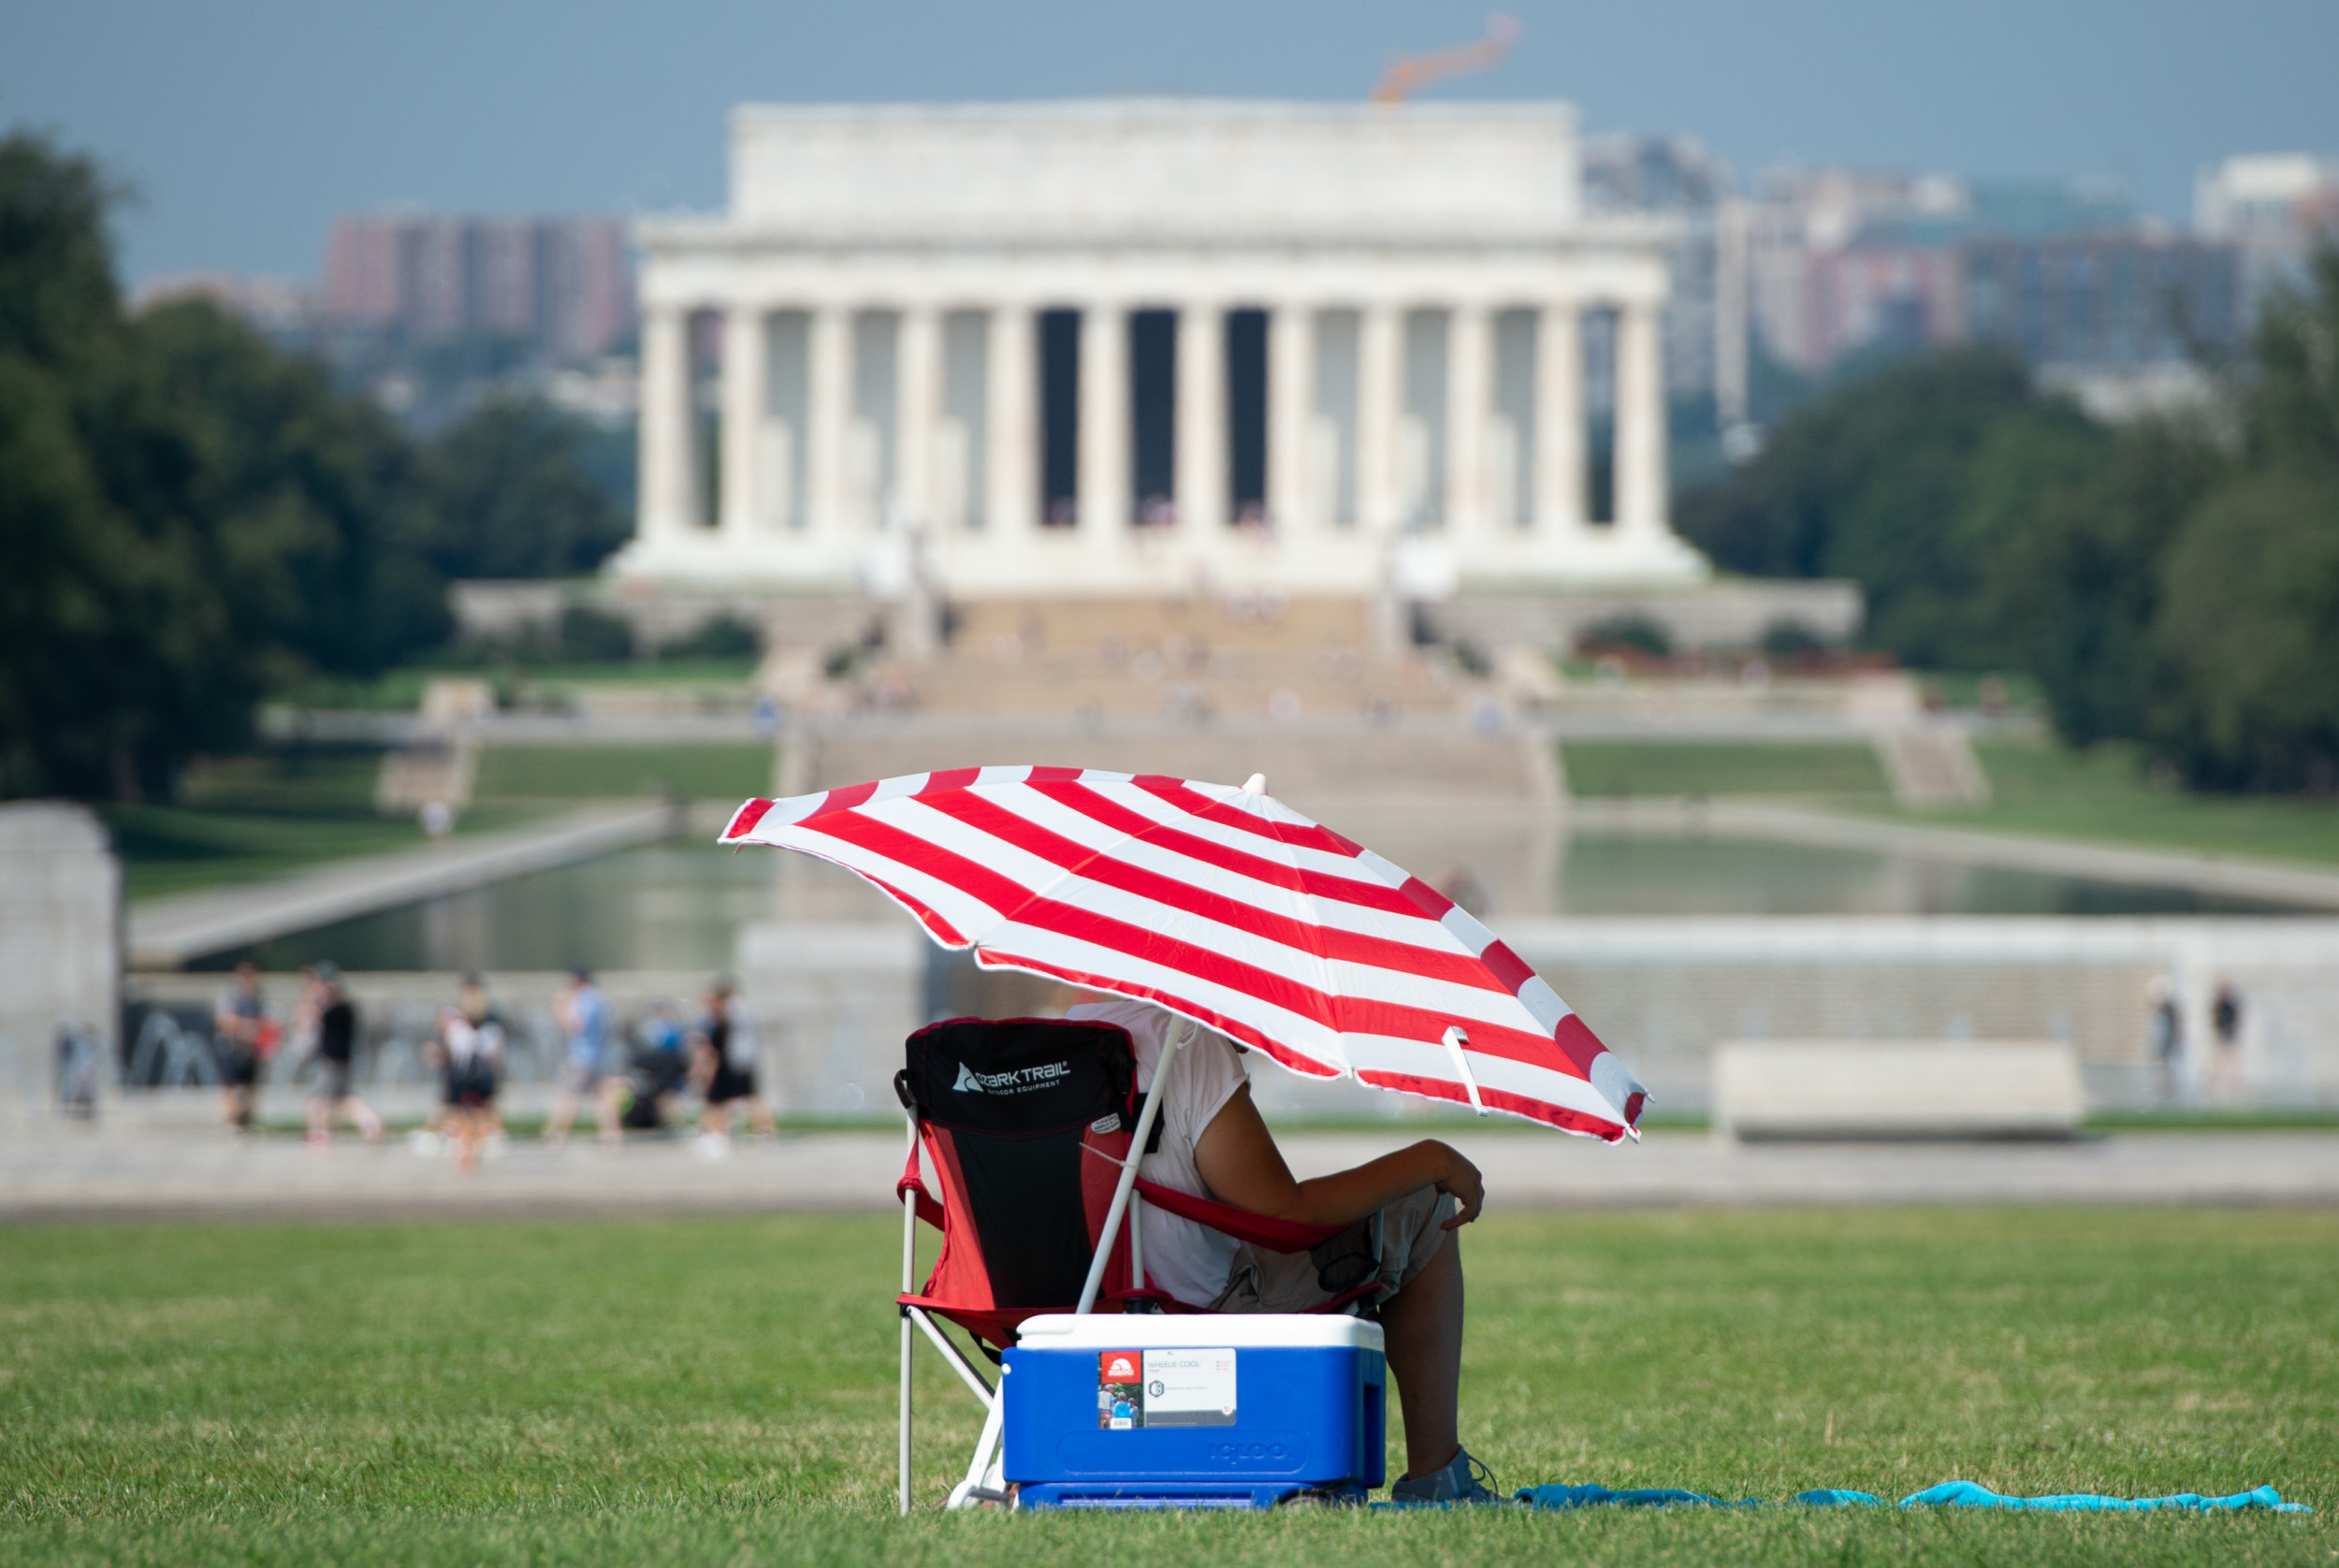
1227,906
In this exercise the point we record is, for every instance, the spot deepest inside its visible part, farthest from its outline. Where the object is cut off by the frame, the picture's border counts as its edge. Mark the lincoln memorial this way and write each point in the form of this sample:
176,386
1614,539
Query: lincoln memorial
1112,347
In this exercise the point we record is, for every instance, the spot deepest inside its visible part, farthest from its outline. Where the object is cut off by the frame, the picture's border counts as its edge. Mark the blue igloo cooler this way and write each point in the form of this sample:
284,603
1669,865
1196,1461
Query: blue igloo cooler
1154,1411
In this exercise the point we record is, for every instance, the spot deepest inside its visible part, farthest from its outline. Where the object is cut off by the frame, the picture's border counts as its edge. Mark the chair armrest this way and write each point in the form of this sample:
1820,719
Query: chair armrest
1260,1230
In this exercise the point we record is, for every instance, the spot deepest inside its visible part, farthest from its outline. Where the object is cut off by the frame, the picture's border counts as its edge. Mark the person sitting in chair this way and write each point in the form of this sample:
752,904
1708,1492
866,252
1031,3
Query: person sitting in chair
1404,1207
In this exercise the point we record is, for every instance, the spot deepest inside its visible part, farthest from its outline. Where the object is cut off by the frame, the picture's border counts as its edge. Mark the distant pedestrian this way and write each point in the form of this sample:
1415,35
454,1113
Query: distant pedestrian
2225,1028
660,1069
471,1044
724,1065
336,1059
300,1030
2164,1027
589,1071
241,1034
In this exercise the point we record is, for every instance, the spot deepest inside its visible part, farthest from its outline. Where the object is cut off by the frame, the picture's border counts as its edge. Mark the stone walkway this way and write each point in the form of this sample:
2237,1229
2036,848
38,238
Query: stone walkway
59,1177
165,933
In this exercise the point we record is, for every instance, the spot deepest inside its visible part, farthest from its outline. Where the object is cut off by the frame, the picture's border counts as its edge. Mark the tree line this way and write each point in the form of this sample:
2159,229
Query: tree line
2172,581
190,517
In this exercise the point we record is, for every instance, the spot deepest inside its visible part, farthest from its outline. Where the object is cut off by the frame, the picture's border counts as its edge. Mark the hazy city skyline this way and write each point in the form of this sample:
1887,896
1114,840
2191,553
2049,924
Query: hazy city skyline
245,128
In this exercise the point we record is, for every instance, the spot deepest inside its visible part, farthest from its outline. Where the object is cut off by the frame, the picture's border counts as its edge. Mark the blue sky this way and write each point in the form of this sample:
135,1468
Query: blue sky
245,126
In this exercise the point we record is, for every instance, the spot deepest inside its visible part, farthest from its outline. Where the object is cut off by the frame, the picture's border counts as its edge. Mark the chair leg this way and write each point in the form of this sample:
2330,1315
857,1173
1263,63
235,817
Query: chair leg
909,1259
979,1467
904,1434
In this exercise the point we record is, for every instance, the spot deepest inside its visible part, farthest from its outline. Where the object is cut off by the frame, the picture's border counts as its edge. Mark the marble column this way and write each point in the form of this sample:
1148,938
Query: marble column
828,415
1290,407
1560,493
1469,410
1640,420
1011,416
917,414
669,494
1380,395
746,397
1203,482
1104,426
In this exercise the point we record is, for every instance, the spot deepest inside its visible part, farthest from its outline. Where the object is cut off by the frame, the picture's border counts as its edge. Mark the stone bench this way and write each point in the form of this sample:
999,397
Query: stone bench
1899,1089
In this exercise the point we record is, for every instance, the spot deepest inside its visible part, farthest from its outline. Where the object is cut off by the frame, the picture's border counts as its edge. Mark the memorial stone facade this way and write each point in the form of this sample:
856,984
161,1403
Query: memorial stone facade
1097,348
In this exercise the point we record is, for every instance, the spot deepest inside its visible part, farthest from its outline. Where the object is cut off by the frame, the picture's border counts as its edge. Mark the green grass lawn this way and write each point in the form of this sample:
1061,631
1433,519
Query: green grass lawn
1620,767
647,672
708,771
245,818
2104,793
686,1391
282,809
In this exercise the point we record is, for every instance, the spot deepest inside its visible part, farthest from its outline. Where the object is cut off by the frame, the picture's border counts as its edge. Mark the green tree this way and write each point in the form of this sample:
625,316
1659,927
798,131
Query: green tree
2251,622
2069,524
310,501
101,642
511,496
186,515
2291,396
1877,482
2249,612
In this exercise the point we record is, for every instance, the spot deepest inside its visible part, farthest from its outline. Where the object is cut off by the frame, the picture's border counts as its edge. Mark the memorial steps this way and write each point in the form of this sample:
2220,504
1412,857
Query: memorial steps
1402,753
1174,659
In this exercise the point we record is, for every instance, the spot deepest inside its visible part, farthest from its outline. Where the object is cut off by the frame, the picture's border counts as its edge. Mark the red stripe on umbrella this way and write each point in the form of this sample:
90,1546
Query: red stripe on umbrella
1225,906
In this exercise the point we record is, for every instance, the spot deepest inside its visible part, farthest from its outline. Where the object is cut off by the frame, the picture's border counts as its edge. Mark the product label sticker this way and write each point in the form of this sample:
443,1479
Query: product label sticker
1188,1388
1120,1391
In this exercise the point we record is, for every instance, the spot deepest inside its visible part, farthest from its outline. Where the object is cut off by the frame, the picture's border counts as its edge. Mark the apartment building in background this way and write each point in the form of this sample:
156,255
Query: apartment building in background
1676,178
2274,208
1840,263
562,286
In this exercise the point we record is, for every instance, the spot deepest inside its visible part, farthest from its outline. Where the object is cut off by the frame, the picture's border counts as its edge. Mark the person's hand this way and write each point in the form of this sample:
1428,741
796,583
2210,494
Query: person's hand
1468,1187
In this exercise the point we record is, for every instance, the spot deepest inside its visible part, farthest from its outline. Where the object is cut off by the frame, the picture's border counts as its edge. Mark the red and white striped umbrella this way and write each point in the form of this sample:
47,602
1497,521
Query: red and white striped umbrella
1227,906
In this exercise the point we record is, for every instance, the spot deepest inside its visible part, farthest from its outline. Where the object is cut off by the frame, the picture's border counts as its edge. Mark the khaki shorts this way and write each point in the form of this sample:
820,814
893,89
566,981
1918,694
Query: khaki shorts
1404,1235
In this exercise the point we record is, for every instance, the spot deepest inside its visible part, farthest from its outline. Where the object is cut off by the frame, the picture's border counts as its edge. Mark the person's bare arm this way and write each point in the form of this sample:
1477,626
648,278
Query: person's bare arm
1240,1164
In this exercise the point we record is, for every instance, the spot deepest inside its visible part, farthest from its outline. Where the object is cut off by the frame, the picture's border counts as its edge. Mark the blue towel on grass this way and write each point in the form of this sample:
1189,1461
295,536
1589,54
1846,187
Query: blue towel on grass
1962,1494
1967,1494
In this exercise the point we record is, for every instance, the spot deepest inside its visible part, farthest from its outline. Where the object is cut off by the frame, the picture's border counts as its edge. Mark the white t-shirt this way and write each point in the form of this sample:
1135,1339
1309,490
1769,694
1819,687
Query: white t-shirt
1189,1260
470,1046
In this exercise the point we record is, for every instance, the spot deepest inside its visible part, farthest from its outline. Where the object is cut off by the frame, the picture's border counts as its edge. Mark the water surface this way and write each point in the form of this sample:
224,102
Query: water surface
678,907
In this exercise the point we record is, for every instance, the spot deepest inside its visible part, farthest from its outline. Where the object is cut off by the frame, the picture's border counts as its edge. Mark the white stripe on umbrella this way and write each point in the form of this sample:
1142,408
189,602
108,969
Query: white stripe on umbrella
1057,902
1225,905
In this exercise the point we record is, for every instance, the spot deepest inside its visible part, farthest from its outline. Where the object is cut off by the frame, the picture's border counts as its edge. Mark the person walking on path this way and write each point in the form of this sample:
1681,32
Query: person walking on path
243,1034
335,1058
470,1047
2225,1028
723,1056
660,1069
583,1015
2165,1028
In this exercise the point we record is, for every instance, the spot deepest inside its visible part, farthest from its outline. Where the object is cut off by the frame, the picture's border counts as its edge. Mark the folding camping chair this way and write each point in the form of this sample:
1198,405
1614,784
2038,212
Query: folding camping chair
1033,1130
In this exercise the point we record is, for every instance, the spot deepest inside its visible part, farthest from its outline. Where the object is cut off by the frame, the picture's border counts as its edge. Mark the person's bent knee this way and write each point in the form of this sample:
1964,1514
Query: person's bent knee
1413,1233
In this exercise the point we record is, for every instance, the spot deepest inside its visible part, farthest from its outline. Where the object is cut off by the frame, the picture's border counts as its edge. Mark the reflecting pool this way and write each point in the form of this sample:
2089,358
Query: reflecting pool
678,907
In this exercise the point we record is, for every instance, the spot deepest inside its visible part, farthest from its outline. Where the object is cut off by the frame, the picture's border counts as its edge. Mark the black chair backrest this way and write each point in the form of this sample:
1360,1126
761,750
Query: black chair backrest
1008,1104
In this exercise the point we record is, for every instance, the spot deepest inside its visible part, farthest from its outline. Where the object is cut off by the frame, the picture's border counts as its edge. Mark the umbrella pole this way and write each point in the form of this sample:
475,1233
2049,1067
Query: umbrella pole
1127,1184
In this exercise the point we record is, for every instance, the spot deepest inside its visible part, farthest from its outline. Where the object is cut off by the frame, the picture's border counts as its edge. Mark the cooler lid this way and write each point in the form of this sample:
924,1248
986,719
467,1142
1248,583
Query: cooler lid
1166,1330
